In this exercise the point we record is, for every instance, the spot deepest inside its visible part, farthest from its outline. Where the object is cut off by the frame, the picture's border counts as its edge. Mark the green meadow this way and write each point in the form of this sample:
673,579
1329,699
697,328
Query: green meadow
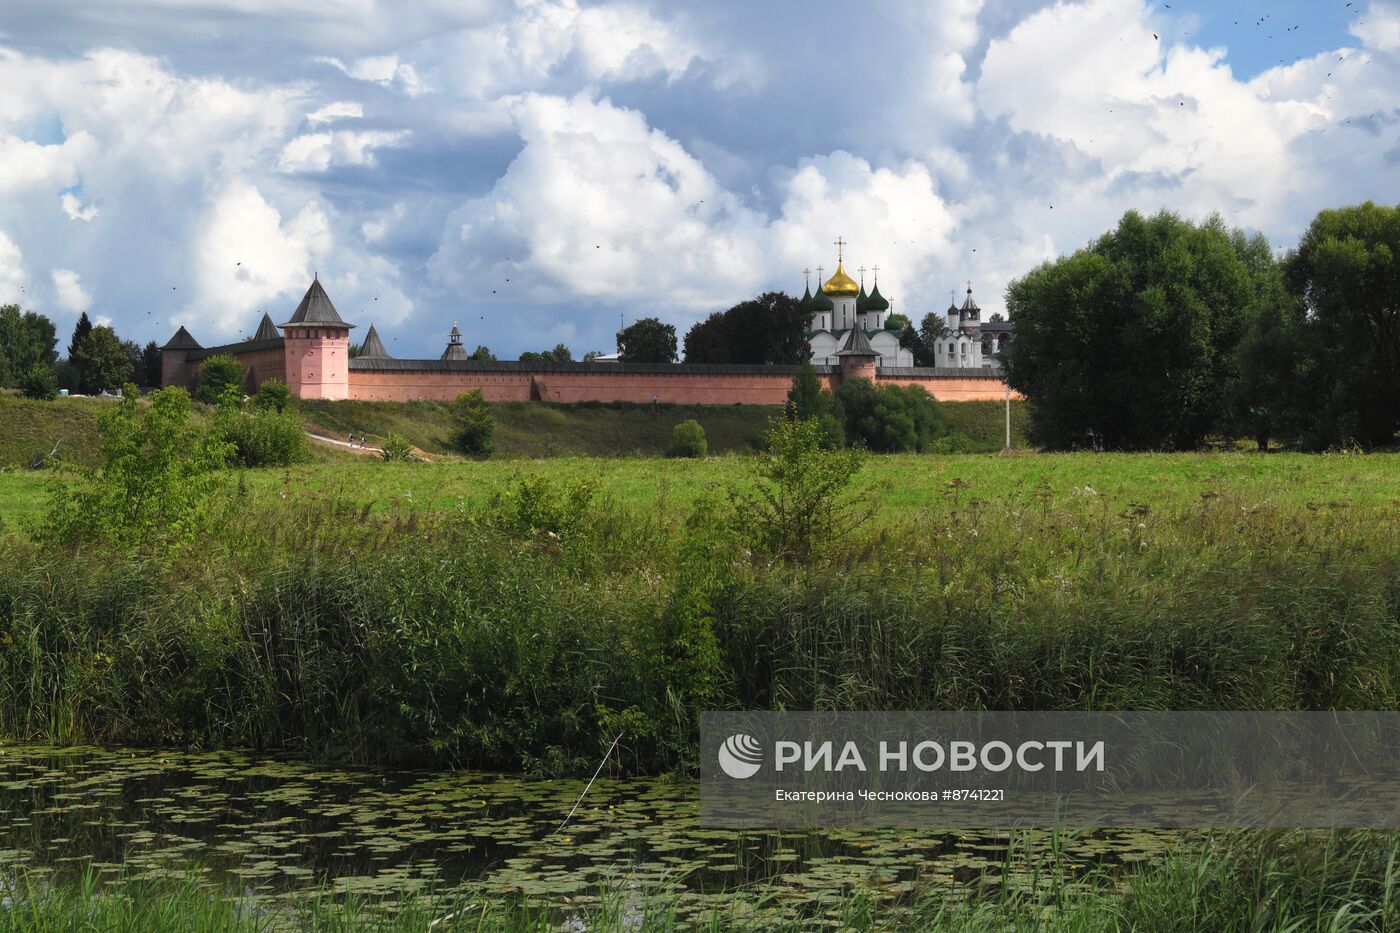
516,615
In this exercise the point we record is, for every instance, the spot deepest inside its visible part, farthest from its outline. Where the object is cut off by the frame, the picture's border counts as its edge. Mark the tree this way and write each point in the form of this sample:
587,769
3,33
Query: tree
1264,402
930,329
472,424
1130,342
39,383
560,354
769,329
808,401
150,365
482,355
158,470
647,341
274,395
912,340
803,502
1346,274
889,418
80,330
216,376
102,361
26,341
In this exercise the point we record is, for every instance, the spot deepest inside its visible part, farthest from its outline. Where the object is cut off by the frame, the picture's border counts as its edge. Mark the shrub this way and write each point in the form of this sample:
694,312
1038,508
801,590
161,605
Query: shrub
158,471
274,395
261,436
216,376
39,382
887,418
802,500
688,440
397,449
472,424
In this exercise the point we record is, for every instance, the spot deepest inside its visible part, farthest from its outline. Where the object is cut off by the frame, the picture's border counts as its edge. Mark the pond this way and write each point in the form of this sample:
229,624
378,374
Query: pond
269,827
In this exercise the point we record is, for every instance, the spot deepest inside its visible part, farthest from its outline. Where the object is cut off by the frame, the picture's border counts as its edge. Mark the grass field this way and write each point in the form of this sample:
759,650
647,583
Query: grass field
899,485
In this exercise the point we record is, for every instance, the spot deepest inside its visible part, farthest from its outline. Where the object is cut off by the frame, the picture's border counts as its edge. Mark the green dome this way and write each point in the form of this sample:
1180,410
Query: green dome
875,301
806,295
821,303
862,301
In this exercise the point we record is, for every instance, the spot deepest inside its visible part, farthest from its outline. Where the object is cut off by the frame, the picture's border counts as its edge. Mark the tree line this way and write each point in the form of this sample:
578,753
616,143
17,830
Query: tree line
97,359
1163,333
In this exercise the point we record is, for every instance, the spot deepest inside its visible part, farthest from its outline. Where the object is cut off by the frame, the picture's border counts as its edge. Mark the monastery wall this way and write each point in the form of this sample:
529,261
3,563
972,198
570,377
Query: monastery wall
405,380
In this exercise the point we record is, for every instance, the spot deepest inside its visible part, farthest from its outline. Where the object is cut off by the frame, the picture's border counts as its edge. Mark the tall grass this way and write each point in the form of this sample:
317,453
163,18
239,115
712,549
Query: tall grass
1337,882
528,632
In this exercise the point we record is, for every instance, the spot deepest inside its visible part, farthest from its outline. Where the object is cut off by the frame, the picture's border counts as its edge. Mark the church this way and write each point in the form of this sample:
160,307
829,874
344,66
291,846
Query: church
844,315
840,308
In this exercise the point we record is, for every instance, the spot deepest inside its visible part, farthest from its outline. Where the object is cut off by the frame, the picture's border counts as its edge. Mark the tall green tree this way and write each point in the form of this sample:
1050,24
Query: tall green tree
1346,274
472,424
80,330
482,355
27,340
808,401
647,341
1131,342
1265,402
769,329
150,370
103,363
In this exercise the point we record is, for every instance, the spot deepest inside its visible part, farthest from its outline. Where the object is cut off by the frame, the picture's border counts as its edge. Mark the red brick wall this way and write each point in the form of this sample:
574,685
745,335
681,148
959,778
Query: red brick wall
679,387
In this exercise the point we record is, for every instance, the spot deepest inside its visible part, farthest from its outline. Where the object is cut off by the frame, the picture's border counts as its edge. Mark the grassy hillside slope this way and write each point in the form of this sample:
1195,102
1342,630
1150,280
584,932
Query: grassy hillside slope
523,429
29,428
546,429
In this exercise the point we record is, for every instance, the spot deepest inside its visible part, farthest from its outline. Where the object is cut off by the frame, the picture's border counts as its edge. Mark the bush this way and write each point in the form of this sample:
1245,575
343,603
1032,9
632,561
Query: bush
216,376
273,395
472,424
397,449
261,436
887,418
39,382
257,435
158,471
688,440
802,501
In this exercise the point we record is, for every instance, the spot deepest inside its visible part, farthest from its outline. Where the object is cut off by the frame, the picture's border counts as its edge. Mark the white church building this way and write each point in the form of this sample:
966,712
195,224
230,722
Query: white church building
840,305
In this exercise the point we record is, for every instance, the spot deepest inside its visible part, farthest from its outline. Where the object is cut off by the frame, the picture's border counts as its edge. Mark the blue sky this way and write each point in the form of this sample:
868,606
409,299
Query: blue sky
539,169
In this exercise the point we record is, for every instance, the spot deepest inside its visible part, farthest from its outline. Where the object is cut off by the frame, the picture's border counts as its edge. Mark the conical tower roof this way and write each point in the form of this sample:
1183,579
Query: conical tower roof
970,308
857,344
182,341
455,350
266,329
316,310
373,347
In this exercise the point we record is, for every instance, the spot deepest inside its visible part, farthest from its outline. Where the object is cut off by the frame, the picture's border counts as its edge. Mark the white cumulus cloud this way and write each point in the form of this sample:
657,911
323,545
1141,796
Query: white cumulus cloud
69,291
316,152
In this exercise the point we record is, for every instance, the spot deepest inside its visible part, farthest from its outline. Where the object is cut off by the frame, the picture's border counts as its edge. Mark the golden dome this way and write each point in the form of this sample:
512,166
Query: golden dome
841,285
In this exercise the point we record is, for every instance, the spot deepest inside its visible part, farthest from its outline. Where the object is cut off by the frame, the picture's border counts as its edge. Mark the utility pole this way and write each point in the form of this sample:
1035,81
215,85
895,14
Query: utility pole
1007,448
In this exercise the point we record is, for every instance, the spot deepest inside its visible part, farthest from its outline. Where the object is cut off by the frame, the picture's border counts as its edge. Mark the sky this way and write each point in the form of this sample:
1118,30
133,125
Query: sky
540,170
